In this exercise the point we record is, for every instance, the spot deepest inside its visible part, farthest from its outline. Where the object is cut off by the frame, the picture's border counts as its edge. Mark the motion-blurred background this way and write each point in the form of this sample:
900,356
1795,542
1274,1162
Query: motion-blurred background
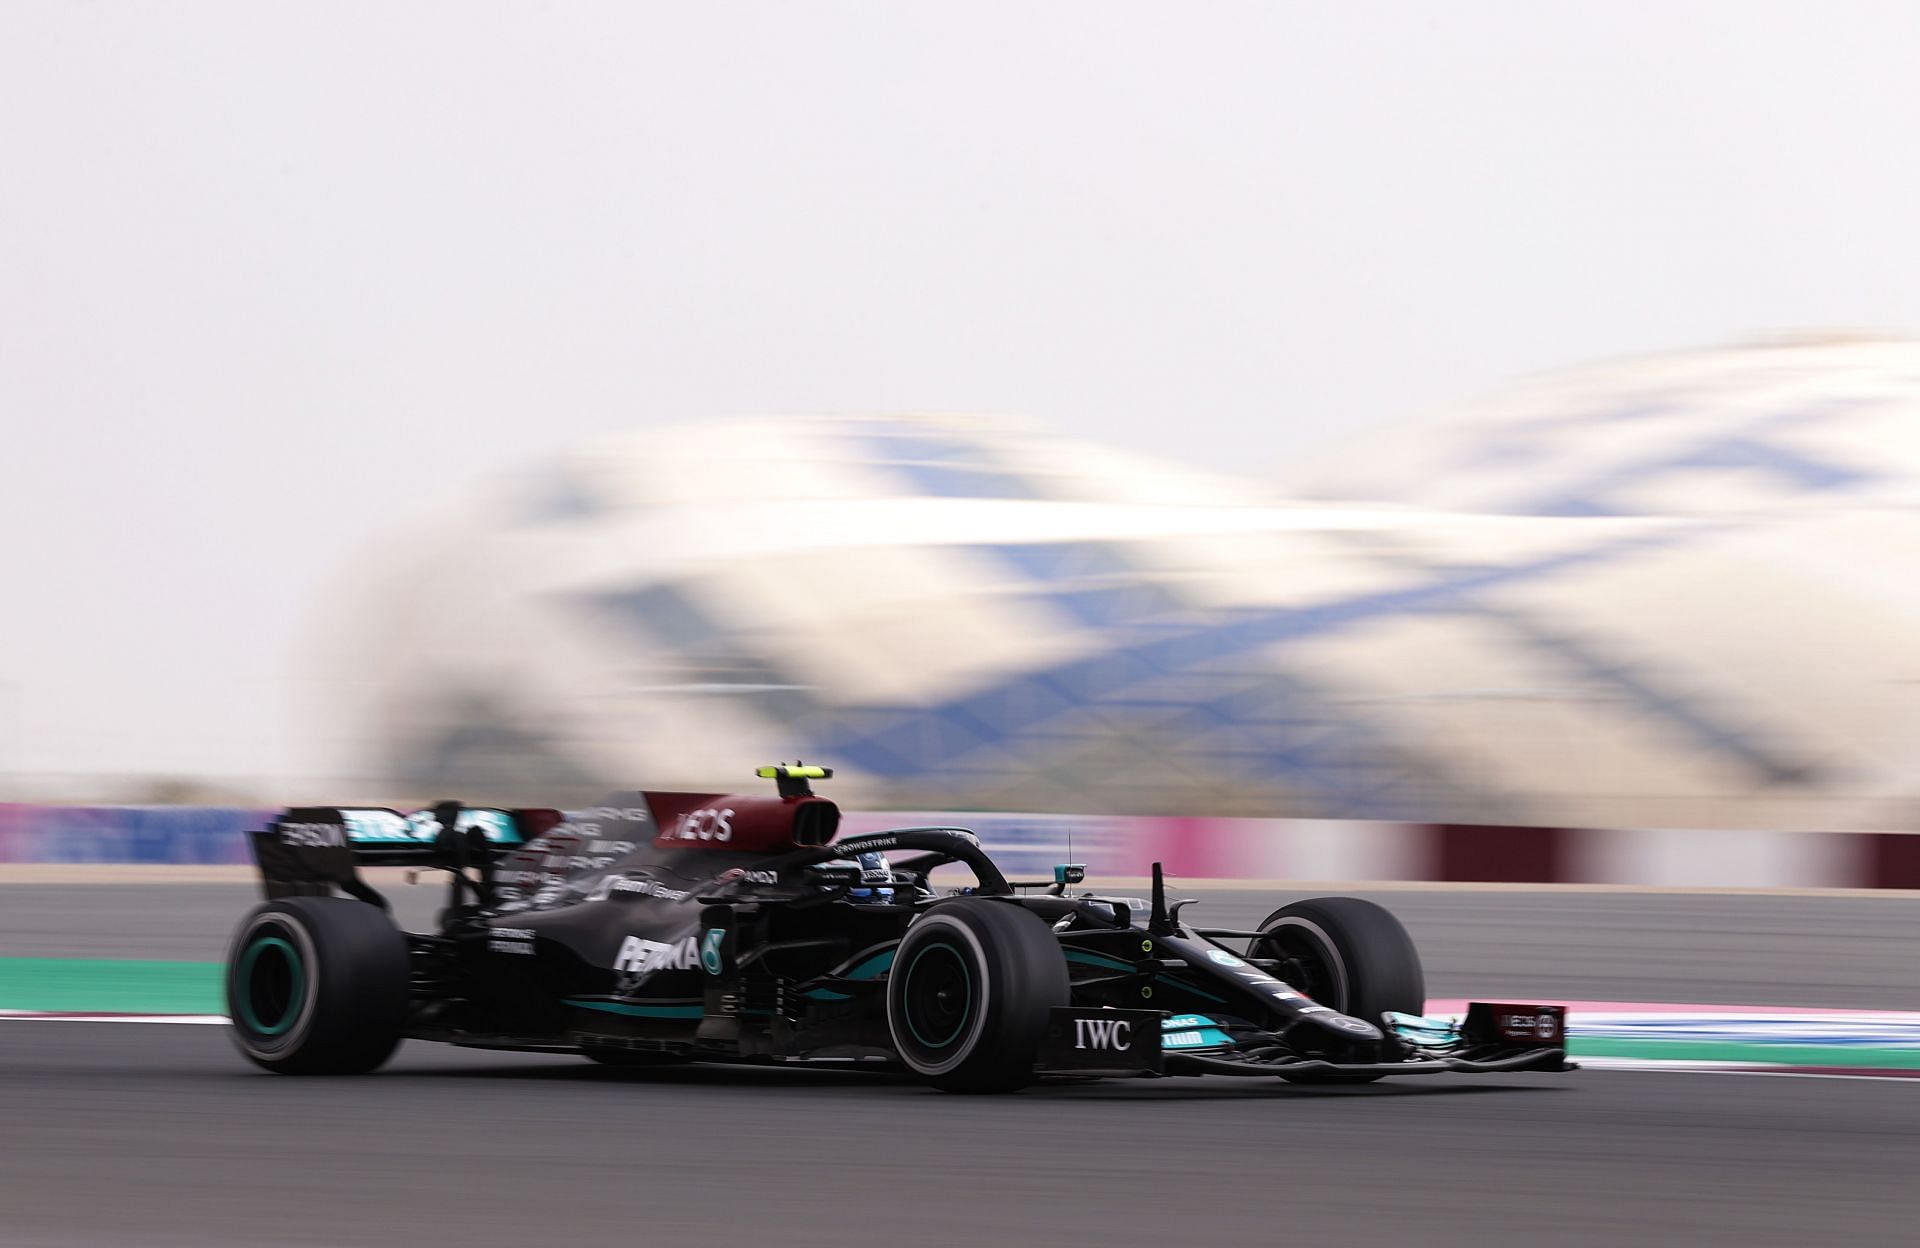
1460,455
1389,414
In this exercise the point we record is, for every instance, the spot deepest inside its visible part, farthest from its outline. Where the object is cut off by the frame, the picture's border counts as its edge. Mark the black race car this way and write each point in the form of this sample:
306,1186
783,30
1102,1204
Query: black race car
673,927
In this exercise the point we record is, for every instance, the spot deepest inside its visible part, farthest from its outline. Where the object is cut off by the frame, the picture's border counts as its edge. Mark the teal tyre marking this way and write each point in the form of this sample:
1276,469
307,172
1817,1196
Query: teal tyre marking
296,986
966,1011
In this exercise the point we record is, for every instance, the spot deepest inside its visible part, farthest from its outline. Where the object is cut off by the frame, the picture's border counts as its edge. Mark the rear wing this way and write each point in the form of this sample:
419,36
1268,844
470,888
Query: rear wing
312,850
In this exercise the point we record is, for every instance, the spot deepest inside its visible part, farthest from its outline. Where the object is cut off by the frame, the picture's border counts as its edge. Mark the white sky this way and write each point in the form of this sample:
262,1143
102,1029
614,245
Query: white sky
274,277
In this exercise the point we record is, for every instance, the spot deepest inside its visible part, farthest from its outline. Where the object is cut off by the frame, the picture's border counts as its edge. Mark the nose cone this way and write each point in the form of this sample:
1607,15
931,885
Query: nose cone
1337,1037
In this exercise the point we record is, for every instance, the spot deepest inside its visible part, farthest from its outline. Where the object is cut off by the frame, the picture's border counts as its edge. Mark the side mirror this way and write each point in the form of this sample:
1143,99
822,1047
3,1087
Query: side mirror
1070,873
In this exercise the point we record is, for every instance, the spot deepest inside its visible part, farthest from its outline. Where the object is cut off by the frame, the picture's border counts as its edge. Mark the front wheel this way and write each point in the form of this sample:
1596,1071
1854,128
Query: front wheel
1349,955
317,986
969,993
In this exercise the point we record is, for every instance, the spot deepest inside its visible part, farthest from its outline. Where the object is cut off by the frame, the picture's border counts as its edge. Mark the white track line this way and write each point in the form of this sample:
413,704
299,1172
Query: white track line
1677,1067
1656,1066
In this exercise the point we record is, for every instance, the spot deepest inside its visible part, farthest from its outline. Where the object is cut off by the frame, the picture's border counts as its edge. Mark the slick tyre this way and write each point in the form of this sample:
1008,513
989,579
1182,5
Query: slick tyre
969,992
1349,955
317,986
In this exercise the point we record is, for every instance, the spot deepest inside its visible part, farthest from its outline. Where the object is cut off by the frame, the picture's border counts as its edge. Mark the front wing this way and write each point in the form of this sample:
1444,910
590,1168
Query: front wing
1493,1038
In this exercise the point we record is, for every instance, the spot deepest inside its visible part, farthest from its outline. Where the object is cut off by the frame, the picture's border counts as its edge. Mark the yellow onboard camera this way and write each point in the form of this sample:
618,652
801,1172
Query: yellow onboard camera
793,780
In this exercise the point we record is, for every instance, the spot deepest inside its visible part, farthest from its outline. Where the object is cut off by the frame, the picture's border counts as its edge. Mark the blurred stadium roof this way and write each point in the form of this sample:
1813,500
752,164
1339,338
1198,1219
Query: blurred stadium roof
1674,590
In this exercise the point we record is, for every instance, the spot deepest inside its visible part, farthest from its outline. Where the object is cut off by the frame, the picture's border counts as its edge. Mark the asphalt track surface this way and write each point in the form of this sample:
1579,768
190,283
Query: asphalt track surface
1856,950
160,1135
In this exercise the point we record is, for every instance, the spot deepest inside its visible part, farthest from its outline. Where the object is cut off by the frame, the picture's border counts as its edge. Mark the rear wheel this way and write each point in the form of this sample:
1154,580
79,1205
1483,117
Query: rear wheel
1349,955
317,986
969,993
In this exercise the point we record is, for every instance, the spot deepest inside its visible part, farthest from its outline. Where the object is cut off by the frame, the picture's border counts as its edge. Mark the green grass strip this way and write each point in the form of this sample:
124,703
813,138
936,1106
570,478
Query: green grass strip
1851,1055
98,985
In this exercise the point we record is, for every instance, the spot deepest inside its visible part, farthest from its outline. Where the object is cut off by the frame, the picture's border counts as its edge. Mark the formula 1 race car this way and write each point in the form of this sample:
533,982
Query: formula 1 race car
671,927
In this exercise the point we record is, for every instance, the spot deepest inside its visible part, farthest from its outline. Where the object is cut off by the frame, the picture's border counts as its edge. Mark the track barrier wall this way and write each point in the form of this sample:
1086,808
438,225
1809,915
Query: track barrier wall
1197,848
144,835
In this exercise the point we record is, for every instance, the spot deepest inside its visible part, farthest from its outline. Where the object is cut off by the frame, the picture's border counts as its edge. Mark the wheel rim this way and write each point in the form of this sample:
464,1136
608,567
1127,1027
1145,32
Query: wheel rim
1309,962
937,998
272,985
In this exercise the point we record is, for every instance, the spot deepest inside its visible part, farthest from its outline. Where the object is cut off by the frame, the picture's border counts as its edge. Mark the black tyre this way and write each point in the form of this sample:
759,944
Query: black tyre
1349,955
317,986
969,992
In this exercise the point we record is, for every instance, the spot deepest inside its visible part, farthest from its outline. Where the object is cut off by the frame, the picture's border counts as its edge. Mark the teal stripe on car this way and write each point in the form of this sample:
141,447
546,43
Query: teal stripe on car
639,1011
871,968
1086,957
